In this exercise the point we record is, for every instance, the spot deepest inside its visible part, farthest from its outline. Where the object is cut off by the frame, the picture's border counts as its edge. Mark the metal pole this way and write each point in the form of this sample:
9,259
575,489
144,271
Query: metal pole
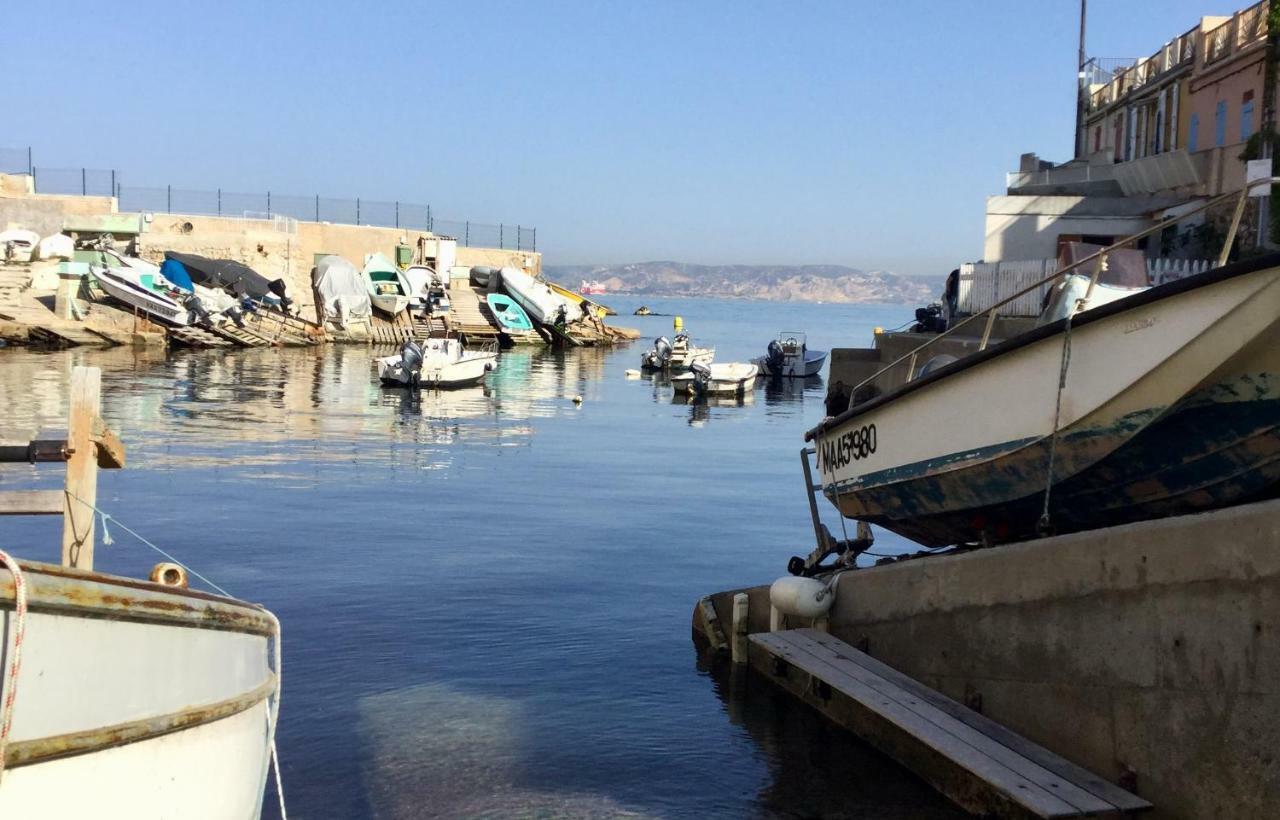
357,210
31,169
519,236
535,239
1080,89
500,245
34,186
430,224
84,184
219,202
168,199
397,213
268,204
113,181
466,241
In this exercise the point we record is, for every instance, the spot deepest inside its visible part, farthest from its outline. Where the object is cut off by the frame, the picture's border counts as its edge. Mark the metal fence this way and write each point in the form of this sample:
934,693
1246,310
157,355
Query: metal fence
217,202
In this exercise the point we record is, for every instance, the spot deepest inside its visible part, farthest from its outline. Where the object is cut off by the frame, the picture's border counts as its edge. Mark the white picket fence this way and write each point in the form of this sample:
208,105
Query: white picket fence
983,284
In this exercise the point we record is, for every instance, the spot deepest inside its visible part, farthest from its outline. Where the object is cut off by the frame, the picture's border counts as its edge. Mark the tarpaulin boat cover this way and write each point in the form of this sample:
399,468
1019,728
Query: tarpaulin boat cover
239,279
174,271
342,290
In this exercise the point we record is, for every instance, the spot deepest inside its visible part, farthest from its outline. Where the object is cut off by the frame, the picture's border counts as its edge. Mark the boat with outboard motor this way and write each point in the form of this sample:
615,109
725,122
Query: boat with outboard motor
675,355
789,356
1161,402
240,280
439,363
727,379
427,289
388,289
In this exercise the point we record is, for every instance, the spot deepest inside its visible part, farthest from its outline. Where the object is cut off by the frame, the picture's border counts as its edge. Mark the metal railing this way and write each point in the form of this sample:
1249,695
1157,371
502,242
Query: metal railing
1098,258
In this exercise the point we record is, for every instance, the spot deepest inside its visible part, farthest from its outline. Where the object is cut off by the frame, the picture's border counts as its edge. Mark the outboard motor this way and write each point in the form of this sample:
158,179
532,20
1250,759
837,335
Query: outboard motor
775,357
235,315
661,351
197,314
701,376
411,358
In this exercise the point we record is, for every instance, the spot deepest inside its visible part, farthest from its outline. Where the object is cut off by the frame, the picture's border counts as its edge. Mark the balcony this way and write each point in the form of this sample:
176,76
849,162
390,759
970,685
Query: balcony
1073,178
1111,81
1245,28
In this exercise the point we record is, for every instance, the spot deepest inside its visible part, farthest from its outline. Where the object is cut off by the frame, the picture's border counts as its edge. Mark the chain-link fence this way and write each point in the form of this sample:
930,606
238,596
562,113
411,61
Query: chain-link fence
217,202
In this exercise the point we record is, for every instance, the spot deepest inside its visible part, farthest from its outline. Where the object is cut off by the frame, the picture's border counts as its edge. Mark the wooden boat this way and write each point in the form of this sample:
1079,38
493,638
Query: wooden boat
789,356
510,317
388,290
134,698
1170,403
676,355
728,379
440,363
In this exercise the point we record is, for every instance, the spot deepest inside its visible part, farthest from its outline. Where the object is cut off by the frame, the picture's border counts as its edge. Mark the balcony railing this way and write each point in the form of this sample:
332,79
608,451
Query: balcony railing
1072,174
1245,28
1118,80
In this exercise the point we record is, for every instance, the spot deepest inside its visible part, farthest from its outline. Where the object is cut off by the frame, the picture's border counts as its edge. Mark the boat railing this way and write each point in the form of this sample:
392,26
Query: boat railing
1099,261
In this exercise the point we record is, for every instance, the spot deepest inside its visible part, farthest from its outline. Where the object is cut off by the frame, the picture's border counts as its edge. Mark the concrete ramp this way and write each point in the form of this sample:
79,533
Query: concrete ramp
981,765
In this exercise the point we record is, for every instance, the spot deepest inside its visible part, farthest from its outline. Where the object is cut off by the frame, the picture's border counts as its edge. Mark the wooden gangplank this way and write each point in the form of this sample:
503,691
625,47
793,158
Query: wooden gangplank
982,766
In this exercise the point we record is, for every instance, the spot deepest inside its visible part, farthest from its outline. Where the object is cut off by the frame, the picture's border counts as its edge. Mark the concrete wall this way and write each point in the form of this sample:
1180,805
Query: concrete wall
1148,649
43,213
1027,227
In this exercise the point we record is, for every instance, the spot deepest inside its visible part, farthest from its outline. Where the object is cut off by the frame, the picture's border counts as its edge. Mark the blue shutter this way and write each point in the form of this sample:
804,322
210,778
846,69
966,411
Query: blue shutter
1220,123
1193,137
1246,120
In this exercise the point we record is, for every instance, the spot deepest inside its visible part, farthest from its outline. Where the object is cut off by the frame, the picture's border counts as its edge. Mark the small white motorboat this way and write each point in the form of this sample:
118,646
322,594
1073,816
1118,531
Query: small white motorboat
18,245
148,292
729,379
789,356
441,363
538,299
676,355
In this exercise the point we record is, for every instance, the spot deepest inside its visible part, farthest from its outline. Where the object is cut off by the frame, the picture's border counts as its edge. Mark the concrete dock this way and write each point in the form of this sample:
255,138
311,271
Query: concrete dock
1145,653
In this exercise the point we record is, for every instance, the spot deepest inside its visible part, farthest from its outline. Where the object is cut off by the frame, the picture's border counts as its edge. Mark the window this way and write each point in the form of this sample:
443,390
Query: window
1097,138
1220,123
1246,120
1193,134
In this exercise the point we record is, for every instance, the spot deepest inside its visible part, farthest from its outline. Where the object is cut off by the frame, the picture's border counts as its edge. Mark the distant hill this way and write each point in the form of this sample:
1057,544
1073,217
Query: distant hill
782,283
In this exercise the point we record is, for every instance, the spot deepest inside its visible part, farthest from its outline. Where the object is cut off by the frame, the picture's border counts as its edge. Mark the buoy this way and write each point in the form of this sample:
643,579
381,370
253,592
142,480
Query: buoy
633,374
678,324
802,597
577,399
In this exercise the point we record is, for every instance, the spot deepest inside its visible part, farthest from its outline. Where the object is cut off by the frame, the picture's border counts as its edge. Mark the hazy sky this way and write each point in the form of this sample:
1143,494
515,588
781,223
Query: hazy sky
859,133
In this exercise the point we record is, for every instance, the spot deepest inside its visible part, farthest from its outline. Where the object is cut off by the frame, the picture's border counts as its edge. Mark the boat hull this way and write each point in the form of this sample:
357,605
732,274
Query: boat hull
466,371
134,699
1170,405
133,295
792,367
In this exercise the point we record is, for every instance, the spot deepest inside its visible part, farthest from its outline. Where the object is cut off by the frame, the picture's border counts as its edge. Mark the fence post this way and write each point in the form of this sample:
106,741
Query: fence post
113,184
500,237
168,199
519,237
357,210
317,207
268,204
535,239
219,202
84,184
397,213
31,169
431,226
466,240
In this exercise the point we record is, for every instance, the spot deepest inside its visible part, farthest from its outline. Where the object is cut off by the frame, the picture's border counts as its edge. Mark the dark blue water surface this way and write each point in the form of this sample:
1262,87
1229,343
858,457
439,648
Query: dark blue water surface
486,595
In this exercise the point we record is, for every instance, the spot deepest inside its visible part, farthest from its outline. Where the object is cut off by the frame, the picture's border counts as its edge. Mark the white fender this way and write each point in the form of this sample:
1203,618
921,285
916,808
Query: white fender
802,597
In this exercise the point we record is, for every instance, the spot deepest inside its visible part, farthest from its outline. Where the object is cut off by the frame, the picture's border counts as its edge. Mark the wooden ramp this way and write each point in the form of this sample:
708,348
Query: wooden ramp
981,765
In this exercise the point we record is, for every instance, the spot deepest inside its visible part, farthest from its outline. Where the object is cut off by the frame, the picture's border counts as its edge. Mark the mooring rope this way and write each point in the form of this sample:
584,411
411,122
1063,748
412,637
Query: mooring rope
271,713
1045,522
17,629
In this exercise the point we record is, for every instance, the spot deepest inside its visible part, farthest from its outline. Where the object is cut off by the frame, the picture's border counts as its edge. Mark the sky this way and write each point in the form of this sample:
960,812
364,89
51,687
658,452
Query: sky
858,133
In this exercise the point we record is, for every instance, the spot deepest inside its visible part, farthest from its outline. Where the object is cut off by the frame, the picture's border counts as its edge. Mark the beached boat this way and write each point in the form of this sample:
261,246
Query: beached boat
18,245
144,291
539,299
442,363
789,356
131,698
342,291
1161,403
240,280
728,379
509,315
676,355
426,289
388,289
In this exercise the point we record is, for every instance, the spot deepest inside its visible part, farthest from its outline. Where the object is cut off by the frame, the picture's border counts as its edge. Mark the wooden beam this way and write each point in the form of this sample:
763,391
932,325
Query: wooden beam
82,469
110,448
31,502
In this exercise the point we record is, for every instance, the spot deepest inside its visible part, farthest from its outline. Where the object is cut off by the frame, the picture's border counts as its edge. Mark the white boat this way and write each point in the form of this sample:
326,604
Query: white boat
436,363
789,356
539,300
1161,403
18,245
728,379
426,289
130,698
148,292
388,289
676,355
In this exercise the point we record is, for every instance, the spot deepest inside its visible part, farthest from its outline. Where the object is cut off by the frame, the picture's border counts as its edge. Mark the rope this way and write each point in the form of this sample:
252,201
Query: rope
1045,522
22,609
18,629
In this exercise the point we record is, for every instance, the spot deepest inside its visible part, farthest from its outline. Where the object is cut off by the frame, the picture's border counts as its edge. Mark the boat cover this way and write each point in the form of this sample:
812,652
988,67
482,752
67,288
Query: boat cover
341,289
175,272
228,274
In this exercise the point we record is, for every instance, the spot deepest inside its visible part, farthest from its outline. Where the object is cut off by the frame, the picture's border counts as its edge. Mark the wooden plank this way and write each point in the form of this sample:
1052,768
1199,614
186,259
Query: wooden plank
31,502
82,469
1082,799
965,773
1120,798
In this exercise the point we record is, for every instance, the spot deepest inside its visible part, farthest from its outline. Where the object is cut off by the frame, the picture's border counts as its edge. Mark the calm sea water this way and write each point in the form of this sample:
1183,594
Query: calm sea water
486,595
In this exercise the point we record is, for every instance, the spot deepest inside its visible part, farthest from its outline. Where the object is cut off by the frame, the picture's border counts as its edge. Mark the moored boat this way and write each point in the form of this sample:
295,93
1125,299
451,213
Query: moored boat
440,363
675,355
727,379
1164,402
789,356
143,290
388,289
238,279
